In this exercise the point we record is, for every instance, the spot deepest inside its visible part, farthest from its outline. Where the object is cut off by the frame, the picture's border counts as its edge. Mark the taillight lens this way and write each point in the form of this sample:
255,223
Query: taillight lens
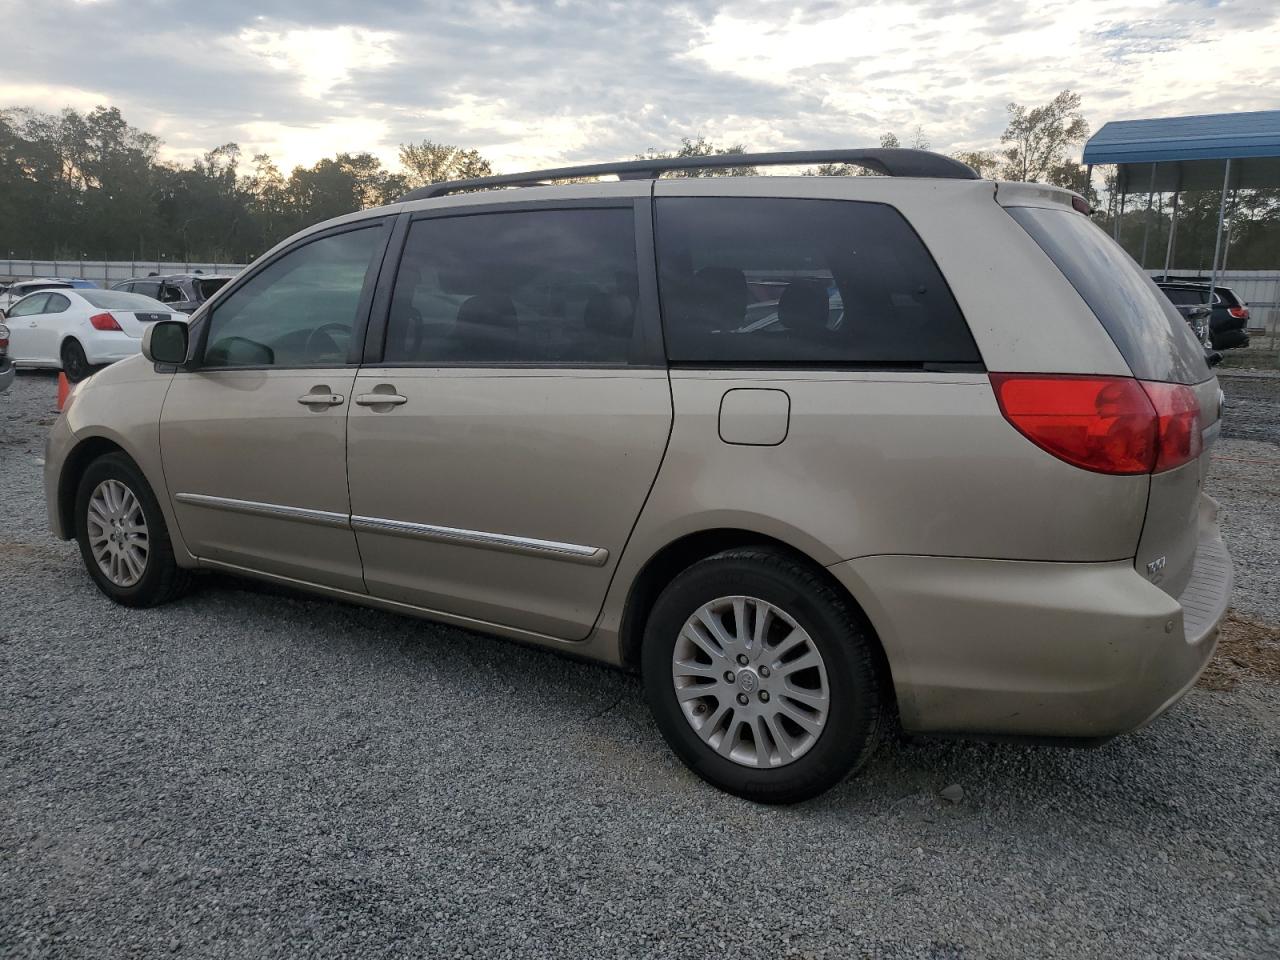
1114,425
4,339
1178,423
1240,313
104,321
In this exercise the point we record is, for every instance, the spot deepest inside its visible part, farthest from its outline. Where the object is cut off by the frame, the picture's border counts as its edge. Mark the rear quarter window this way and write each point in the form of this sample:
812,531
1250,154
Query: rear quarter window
1150,334
774,281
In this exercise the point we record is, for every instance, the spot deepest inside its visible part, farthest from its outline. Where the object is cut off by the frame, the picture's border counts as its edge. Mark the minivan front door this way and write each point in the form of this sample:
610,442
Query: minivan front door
253,438
502,448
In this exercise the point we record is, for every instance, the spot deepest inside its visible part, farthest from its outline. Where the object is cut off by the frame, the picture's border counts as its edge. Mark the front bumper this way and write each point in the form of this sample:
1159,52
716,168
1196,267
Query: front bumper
1072,651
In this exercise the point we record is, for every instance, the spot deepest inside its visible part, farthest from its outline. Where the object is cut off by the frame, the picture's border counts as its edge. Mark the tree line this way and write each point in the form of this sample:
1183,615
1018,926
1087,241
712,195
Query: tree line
90,185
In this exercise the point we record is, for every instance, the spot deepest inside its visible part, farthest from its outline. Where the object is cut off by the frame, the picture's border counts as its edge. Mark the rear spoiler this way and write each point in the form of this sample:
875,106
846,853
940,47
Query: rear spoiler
1010,193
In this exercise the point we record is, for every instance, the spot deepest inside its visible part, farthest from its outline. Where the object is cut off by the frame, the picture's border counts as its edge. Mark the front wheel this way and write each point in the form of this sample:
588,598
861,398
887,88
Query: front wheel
123,537
763,677
74,362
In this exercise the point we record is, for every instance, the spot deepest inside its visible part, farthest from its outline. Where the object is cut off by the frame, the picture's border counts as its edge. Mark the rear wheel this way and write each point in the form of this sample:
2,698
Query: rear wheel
74,362
123,537
762,677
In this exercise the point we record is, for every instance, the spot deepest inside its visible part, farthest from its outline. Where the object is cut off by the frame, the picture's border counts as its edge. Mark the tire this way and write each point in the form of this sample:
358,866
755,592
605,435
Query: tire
74,362
850,669
157,578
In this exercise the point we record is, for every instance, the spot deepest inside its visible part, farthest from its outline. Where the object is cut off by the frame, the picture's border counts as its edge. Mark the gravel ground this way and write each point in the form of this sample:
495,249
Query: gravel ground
252,774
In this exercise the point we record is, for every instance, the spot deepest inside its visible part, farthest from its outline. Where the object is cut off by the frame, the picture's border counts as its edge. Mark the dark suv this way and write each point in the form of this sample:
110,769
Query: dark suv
182,291
1230,314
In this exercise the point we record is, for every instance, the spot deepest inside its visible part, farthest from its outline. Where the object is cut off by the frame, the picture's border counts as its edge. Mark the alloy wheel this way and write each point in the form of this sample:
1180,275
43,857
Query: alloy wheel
118,534
751,682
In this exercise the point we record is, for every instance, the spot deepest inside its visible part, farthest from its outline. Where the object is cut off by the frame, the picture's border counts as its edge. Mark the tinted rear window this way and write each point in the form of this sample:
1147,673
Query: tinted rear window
779,281
211,286
119,300
1151,335
1185,297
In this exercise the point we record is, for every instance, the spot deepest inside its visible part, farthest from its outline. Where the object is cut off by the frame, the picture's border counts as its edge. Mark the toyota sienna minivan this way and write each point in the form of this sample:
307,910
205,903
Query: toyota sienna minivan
818,456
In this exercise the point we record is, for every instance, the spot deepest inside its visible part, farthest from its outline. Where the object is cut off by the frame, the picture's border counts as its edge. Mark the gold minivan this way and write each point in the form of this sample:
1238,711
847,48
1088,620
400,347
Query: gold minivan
817,455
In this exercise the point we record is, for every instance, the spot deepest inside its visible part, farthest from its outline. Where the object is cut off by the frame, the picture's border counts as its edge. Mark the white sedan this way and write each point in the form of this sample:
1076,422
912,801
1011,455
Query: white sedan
76,330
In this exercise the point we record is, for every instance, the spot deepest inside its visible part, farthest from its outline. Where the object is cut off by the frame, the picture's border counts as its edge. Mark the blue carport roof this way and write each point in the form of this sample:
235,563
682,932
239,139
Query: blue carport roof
1213,137
1188,152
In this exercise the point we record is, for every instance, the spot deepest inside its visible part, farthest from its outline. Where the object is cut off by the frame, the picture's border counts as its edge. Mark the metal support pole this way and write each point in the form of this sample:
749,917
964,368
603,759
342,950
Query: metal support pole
1146,226
1217,244
1119,217
1173,226
1231,226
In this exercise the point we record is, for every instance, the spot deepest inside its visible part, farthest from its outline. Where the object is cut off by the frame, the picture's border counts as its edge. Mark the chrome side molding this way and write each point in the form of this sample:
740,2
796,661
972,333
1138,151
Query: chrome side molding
323,518
552,549
526,546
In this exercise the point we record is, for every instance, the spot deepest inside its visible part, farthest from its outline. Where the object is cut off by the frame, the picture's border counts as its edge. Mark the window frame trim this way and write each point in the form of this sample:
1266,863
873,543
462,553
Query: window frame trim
200,327
647,335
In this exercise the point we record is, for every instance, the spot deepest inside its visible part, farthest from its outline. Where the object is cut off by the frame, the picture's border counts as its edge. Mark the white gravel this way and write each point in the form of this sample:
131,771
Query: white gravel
251,774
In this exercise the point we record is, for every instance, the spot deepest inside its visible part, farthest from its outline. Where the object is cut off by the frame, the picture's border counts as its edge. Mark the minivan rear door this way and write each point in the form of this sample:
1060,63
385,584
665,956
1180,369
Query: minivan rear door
513,411
1158,346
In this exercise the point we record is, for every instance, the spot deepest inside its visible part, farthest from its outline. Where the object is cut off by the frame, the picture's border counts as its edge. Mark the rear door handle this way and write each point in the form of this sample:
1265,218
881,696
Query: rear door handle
321,399
381,399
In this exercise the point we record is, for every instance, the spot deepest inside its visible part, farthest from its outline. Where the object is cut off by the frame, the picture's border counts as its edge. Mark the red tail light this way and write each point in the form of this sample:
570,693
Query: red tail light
1240,313
4,339
1114,425
104,321
1178,422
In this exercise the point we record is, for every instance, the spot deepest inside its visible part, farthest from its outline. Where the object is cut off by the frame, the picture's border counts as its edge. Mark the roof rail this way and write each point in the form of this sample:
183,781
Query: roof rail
892,162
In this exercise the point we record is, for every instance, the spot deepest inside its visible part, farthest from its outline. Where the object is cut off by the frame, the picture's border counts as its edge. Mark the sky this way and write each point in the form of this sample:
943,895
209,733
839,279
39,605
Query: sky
533,84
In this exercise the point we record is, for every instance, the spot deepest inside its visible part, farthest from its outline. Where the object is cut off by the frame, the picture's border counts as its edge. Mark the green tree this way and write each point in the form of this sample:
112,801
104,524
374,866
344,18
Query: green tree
1037,141
429,162
985,162
700,146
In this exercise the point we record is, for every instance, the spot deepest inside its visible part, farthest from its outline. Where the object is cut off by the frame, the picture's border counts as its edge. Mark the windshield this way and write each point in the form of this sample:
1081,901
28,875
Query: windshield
119,300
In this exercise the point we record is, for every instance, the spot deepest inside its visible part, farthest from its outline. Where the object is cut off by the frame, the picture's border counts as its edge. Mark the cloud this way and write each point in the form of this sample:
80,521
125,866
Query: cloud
546,82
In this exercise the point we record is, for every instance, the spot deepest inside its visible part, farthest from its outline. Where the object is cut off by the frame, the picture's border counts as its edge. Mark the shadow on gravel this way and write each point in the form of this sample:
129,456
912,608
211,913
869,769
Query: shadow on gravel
599,716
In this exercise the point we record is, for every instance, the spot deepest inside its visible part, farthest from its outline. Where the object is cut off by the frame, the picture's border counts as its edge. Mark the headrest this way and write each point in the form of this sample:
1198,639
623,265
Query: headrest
804,306
489,310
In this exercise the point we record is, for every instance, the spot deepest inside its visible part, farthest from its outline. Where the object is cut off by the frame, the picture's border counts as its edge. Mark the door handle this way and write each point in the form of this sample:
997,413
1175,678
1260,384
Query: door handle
321,399
381,399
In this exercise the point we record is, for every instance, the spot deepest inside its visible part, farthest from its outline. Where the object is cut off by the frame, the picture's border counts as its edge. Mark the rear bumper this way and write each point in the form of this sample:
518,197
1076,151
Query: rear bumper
6,374
1228,339
1076,651
109,350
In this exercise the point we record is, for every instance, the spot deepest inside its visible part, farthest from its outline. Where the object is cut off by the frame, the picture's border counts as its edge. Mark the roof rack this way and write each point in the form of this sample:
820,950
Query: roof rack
892,162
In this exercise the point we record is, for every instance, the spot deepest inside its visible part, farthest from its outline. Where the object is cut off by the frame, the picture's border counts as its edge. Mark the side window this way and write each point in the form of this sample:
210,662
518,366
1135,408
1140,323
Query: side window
298,311
31,305
148,288
777,281
170,293
536,286
57,304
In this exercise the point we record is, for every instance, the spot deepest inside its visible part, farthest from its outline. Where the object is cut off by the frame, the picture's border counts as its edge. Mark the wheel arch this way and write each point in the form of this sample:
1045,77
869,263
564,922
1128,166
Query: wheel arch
667,562
77,462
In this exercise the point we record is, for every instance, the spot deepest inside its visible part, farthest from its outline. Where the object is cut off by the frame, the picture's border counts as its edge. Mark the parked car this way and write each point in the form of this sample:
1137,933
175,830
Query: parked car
6,365
181,291
1229,321
74,330
551,414
21,288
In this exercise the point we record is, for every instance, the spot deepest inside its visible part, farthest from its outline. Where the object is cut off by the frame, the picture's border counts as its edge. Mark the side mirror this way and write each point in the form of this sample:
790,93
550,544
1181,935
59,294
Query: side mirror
165,341
1212,357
